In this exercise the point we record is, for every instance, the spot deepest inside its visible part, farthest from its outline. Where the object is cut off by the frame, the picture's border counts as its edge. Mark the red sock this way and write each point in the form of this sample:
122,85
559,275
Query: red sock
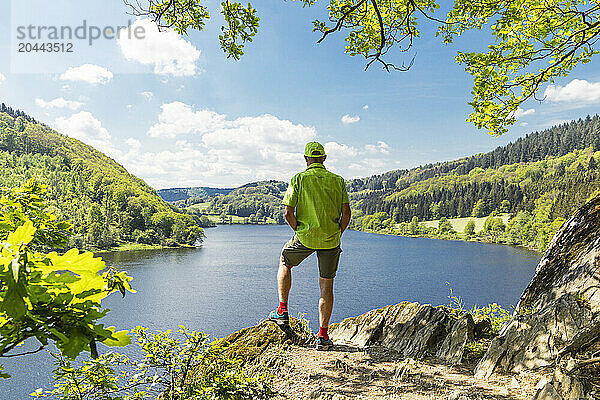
323,333
282,307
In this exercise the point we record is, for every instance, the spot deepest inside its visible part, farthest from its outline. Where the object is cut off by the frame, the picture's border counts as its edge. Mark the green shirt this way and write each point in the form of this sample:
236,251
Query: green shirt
318,196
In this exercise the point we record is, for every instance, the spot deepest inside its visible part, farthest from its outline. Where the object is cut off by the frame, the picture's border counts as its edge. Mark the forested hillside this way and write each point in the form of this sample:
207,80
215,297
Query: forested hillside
183,197
542,178
256,202
107,205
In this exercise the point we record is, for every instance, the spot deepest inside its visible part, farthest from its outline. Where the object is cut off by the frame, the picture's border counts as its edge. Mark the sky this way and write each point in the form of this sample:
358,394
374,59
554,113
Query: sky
176,112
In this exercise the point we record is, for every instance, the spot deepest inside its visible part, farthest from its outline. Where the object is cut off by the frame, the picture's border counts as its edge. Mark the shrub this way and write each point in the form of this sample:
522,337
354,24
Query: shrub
185,365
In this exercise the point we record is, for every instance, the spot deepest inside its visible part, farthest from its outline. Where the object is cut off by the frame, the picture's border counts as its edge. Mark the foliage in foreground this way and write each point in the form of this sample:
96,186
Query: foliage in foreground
184,365
494,312
48,296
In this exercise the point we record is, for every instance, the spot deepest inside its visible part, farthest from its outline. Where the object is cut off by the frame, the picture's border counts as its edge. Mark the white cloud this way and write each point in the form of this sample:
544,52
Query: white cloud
212,149
85,127
180,119
347,119
366,107
147,95
134,143
90,73
2,78
556,122
166,51
521,112
578,90
380,147
59,103
523,124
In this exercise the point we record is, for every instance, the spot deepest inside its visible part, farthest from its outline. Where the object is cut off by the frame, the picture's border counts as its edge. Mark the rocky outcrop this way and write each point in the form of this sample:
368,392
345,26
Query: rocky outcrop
571,264
411,329
249,343
453,347
534,341
558,314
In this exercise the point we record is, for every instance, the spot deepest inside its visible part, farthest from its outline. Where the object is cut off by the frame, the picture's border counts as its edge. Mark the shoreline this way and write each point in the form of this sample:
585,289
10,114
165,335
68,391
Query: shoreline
521,246
138,247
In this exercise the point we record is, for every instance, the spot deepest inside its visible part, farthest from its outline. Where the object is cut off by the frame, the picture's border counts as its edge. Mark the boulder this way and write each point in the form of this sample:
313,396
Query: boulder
411,329
249,343
453,347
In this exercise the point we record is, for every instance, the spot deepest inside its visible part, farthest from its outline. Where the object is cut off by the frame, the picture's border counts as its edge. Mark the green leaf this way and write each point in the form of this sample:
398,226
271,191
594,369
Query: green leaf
21,236
120,338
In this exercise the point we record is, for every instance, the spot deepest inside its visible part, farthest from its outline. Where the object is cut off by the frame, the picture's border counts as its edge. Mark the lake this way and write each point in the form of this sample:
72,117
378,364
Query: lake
229,284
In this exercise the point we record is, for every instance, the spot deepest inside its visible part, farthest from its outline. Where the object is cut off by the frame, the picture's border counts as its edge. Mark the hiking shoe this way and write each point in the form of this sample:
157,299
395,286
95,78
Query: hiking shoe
324,344
279,319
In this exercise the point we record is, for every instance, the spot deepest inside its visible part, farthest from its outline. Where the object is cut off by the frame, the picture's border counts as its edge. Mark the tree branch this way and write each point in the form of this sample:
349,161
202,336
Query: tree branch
22,354
340,22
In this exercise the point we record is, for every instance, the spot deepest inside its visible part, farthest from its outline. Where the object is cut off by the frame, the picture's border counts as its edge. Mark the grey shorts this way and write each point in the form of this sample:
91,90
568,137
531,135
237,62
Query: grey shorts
294,253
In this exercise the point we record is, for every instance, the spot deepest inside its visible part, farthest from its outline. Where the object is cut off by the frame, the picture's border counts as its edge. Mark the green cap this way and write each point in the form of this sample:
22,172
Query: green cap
314,149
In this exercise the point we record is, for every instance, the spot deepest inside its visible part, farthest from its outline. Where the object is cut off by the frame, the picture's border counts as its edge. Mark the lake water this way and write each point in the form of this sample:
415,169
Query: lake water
229,284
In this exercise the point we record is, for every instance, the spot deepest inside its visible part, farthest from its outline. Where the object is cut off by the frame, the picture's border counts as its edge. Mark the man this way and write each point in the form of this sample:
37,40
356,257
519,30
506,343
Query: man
322,214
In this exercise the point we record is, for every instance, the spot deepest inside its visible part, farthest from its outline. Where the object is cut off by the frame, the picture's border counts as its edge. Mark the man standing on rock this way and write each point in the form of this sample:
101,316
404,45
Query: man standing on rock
322,214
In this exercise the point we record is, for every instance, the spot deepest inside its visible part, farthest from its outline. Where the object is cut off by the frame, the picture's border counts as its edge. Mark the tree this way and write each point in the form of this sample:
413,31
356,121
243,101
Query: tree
533,41
505,206
592,163
223,217
498,225
470,228
47,296
414,225
479,209
444,226
488,223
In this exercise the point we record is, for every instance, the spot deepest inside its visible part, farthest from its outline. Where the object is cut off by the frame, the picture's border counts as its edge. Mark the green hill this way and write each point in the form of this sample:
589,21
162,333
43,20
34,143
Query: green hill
107,205
257,202
540,180
191,195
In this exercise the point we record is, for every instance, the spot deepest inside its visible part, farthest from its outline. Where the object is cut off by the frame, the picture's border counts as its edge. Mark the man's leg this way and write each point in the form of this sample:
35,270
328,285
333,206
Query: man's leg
284,281
325,303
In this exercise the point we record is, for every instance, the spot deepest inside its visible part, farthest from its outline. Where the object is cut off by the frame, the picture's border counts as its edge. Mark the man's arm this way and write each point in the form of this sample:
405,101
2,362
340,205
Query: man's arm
290,217
346,215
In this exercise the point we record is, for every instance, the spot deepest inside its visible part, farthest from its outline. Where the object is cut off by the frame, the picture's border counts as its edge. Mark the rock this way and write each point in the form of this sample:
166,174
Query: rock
453,347
411,329
547,392
249,343
421,335
367,329
456,395
571,264
532,341
404,367
483,326
514,383
315,394
569,388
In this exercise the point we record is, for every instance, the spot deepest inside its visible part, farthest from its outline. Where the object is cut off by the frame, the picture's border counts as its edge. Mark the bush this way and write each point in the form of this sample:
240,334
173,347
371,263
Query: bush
182,366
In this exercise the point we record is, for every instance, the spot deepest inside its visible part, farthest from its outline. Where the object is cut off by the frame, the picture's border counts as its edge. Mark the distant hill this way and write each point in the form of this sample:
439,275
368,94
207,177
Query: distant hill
256,202
108,205
197,194
545,176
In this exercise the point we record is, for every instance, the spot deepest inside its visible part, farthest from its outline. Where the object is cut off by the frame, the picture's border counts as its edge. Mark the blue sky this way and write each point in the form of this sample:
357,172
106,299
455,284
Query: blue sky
174,111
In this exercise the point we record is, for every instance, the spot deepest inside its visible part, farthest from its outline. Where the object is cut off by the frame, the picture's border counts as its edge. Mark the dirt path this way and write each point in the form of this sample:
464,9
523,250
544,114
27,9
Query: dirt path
377,373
